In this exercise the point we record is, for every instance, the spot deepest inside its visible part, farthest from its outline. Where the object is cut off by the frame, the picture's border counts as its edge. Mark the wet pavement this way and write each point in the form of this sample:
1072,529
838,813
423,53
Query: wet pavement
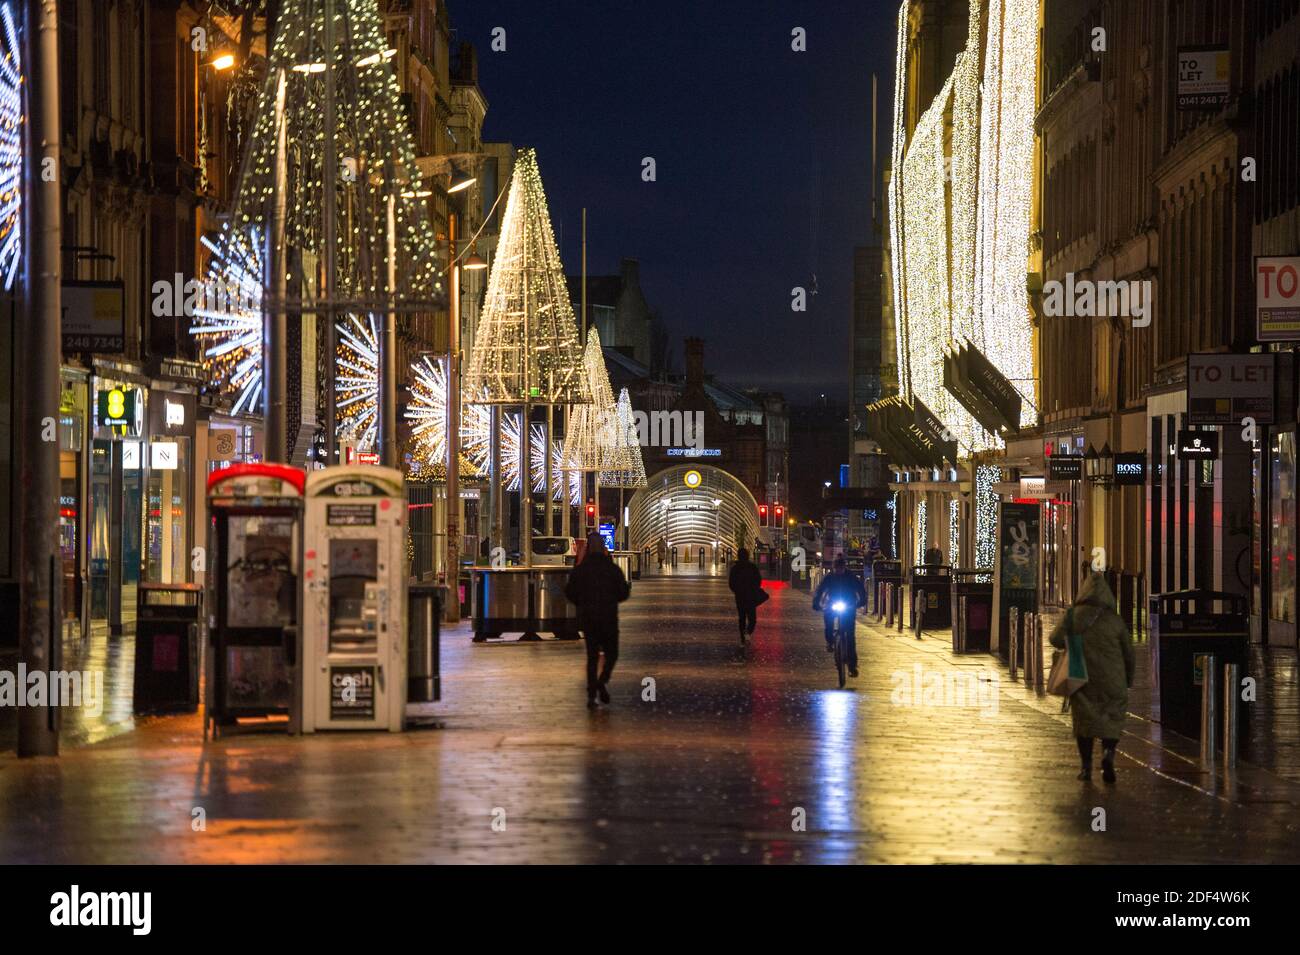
728,754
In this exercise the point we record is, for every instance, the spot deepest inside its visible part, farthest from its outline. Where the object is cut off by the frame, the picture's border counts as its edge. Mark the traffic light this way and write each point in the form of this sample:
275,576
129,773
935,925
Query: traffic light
591,513
762,515
778,514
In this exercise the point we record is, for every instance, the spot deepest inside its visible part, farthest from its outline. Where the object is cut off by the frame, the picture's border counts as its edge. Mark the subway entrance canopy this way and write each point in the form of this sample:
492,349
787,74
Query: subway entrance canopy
692,505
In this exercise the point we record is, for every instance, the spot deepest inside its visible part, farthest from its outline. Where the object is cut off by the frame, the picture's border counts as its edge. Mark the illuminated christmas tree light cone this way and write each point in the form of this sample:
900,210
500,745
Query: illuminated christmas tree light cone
592,439
526,351
351,194
629,468
526,348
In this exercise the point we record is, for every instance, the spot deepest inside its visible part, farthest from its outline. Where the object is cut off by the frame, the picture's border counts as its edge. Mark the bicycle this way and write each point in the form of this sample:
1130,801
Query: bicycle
842,634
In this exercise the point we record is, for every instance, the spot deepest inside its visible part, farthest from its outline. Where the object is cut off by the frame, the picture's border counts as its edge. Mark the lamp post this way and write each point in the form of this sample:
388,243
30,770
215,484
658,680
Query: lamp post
472,262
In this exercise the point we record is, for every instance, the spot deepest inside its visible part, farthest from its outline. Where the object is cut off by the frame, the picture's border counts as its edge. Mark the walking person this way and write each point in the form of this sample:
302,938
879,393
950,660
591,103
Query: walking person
1100,706
747,584
597,586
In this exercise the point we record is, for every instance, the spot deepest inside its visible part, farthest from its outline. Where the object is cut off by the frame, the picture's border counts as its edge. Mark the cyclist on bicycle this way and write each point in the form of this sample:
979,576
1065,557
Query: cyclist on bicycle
844,588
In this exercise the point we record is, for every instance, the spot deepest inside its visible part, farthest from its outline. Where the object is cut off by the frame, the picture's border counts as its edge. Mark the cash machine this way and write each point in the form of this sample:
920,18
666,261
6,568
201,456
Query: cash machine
254,540
354,601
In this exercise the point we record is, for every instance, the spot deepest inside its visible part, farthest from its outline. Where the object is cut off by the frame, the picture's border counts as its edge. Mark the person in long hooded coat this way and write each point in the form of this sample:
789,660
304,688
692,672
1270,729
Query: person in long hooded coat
1099,708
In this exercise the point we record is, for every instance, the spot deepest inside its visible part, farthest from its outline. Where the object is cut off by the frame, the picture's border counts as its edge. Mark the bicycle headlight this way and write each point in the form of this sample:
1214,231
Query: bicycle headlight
839,606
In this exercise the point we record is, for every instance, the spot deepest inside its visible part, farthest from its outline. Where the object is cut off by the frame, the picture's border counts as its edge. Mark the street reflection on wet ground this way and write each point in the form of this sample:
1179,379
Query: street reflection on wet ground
709,752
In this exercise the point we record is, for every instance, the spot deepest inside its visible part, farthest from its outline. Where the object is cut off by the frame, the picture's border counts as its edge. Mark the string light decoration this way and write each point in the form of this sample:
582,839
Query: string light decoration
537,452
986,514
377,187
959,205
922,531
954,532
892,506
626,449
228,327
427,411
356,381
526,347
592,440
1006,168
11,149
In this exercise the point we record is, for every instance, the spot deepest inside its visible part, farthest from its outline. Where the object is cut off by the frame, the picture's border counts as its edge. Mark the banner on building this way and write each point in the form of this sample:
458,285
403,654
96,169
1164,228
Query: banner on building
1277,298
94,317
1204,77
1226,389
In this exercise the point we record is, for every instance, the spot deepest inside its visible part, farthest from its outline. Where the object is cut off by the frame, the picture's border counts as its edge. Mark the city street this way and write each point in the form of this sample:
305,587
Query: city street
737,746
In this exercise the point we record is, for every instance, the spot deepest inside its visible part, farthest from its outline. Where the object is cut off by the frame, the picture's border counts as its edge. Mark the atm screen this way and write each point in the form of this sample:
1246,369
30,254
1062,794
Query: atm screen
354,563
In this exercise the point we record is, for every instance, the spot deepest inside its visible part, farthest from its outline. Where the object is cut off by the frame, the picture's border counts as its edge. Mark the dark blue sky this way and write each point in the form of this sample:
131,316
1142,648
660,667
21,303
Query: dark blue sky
763,158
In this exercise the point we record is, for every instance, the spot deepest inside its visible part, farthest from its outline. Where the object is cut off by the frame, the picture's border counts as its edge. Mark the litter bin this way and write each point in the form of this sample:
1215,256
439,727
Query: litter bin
972,610
424,632
1186,626
167,648
932,594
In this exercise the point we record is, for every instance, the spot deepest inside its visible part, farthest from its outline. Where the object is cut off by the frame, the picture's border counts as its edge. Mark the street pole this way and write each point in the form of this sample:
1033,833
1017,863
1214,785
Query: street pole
453,429
330,237
40,617
548,526
495,492
525,485
388,356
565,505
274,330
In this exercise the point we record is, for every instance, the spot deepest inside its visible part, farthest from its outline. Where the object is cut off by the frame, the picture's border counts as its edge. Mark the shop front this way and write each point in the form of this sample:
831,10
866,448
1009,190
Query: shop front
169,483
118,470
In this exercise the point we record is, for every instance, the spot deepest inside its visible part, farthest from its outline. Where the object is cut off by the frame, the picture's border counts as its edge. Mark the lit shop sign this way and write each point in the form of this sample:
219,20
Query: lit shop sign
1033,487
1131,467
1063,467
163,455
693,452
119,409
1198,445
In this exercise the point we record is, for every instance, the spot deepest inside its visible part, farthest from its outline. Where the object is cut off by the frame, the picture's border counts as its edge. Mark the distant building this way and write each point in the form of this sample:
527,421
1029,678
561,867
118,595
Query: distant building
618,310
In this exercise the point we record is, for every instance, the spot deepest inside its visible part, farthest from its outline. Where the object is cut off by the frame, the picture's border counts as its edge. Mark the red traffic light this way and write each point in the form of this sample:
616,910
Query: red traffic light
762,510
778,512
591,510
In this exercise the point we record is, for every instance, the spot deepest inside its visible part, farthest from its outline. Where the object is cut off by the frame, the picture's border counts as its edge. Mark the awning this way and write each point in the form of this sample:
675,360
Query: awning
910,435
982,390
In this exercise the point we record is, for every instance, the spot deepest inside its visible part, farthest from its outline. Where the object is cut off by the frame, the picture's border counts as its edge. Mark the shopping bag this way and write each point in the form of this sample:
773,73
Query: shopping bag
761,597
1069,671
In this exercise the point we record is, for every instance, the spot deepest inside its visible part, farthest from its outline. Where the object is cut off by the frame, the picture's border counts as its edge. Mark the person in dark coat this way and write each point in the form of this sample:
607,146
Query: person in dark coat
597,586
1099,708
747,584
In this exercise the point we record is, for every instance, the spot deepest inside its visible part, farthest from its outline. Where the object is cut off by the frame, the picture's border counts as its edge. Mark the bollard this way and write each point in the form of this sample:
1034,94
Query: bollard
888,609
1040,679
1231,681
1209,710
1013,638
1028,627
898,603
959,634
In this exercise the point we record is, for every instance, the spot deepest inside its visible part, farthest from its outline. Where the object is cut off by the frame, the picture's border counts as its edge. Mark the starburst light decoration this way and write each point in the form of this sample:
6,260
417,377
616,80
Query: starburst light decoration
377,187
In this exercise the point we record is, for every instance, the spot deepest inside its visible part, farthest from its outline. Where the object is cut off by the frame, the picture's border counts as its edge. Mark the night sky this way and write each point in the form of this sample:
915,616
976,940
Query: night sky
763,159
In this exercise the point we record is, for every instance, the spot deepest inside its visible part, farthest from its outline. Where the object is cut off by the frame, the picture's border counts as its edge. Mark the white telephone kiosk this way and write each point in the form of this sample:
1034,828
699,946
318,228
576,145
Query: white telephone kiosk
354,602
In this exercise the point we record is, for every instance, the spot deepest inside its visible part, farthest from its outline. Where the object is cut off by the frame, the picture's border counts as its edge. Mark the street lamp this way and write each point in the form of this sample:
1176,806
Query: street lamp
223,62
460,181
